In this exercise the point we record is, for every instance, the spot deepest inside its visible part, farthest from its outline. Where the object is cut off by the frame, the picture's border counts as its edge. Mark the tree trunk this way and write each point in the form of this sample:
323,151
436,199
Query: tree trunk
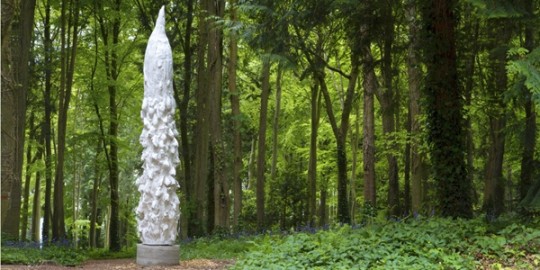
16,44
323,214
47,126
110,33
496,86
36,207
445,112
261,155
414,72
312,166
275,123
94,198
355,135
69,28
187,186
28,179
386,97
221,185
36,204
340,133
197,226
370,87
235,106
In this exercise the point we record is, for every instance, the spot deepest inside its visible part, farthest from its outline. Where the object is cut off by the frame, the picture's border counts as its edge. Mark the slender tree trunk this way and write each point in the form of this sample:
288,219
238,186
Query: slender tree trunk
386,96
252,172
354,149
187,186
69,36
36,207
340,133
312,166
110,33
261,155
221,185
445,111
275,123
16,44
28,179
197,227
235,106
414,72
47,126
94,198
36,204
323,214
370,87
496,86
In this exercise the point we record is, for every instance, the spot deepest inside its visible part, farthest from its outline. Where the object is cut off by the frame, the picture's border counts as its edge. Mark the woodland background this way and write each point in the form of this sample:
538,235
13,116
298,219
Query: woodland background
291,113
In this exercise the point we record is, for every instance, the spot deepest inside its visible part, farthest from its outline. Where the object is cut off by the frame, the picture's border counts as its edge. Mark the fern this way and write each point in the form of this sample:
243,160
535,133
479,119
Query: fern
526,65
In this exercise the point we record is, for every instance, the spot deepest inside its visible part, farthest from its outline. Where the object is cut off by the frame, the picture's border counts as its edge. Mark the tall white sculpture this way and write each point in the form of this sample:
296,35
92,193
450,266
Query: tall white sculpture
158,210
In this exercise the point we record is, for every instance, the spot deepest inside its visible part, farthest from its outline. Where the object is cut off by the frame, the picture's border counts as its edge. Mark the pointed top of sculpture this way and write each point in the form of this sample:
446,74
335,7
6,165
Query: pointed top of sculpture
160,22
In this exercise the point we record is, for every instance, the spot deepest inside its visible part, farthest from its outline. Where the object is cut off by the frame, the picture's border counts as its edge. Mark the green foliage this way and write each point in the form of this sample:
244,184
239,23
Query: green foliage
101,254
526,65
412,244
496,9
215,248
30,255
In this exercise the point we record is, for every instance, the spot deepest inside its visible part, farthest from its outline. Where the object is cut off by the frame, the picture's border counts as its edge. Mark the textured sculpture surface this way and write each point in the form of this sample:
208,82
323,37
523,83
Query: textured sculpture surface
158,210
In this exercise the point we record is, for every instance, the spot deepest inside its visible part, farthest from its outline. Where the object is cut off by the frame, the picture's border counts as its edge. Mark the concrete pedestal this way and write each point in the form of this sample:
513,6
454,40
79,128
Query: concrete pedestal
158,255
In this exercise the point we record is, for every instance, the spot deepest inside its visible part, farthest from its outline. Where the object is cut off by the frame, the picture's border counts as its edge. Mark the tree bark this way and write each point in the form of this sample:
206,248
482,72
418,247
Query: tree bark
496,86
414,72
370,87
386,96
187,185
17,27
221,185
94,198
47,126
110,34
198,225
261,153
36,207
235,106
312,166
28,179
275,123
445,108
69,36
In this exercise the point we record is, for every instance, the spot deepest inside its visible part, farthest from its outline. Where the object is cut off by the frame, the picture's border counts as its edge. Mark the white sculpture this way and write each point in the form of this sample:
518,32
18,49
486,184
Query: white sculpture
158,210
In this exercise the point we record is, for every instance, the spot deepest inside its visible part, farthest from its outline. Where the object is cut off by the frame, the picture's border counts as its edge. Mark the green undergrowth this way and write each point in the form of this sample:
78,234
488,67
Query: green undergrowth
30,255
216,248
436,243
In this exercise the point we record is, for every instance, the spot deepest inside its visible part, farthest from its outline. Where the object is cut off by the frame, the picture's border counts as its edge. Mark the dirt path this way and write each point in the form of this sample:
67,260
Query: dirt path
129,264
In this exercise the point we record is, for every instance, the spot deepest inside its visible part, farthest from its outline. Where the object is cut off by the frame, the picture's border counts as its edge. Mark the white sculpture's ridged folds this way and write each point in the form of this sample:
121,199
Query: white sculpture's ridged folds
158,211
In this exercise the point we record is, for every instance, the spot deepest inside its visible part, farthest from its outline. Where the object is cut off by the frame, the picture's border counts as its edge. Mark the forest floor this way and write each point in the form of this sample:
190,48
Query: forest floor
124,264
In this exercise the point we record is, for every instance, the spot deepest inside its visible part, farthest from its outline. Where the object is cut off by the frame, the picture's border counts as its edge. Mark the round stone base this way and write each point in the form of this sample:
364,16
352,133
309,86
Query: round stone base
158,255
